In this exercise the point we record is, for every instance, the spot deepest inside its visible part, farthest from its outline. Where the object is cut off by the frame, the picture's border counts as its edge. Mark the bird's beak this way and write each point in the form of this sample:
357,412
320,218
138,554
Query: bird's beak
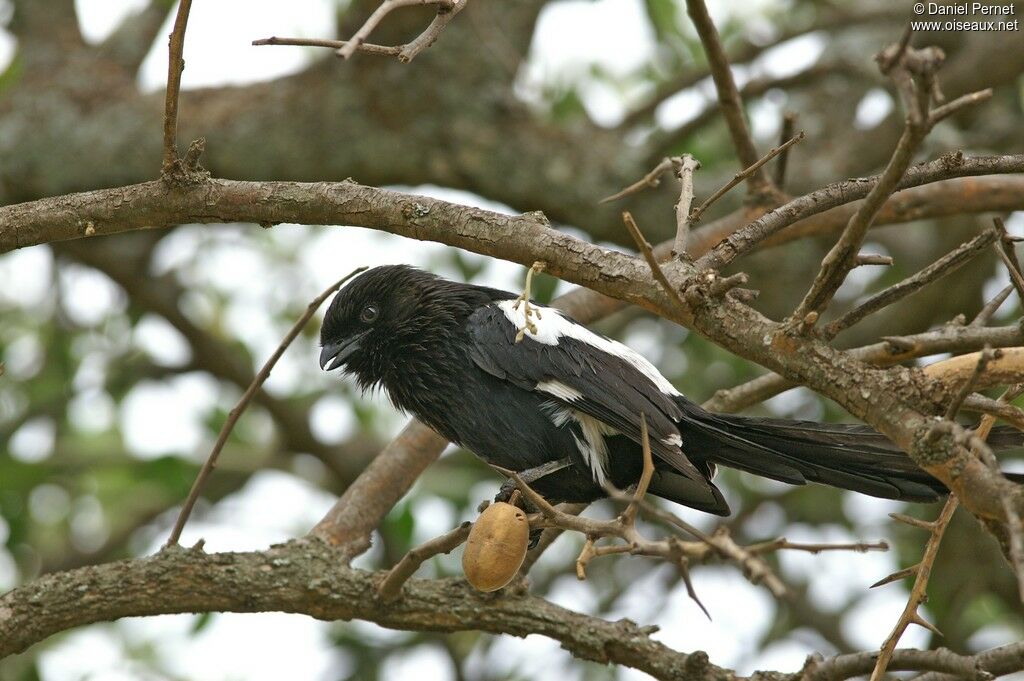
333,355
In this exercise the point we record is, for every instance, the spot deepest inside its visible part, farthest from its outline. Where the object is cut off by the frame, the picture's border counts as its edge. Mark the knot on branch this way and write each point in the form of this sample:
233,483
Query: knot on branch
186,171
709,285
697,665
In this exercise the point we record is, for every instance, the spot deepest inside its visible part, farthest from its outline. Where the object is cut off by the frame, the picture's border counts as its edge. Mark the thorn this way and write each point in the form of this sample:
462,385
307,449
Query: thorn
690,591
915,522
921,622
899,344
896,576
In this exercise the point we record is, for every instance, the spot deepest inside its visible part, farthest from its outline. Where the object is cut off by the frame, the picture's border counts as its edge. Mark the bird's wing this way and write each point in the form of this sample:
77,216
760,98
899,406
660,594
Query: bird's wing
583,371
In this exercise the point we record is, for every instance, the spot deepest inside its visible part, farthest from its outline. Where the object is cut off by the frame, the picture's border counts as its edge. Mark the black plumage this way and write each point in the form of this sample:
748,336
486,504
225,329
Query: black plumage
447,352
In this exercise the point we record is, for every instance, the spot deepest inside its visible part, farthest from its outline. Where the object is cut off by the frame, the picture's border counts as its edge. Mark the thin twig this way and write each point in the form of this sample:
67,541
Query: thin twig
629,514
968,386
1015,540
645,249
788,125
947,110
698,212
890,350
986,313
877,259
767,227
728,96
1009,257
650,180
391,586
918,592
685,166
815,548
529,311
1014,526
945,265
1015,274
369,48
838,261
722,544
446,11
243,403
382,11
431,33
998,408
913,72
922,571
175,65
671,549
837,20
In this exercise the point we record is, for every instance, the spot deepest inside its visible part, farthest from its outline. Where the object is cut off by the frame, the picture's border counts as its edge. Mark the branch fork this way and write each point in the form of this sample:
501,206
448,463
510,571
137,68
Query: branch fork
446,11
913,72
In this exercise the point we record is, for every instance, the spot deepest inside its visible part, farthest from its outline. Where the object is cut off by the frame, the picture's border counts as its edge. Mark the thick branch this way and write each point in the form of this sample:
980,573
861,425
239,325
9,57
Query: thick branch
358,512
151,204
307,577
897,349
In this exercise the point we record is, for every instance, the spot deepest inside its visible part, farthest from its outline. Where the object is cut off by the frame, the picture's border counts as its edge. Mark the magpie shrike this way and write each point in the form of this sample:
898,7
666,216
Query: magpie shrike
561,404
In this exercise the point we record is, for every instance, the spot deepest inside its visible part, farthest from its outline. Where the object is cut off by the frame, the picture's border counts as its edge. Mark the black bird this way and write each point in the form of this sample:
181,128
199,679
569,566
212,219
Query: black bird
561,404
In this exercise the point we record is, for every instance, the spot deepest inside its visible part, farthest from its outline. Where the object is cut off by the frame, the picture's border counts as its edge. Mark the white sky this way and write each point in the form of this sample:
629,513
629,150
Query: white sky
161,417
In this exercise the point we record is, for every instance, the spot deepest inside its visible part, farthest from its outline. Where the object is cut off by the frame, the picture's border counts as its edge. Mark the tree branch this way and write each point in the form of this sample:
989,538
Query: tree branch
894,350
952,165
243,402
307,577
945,265
175,65
728,97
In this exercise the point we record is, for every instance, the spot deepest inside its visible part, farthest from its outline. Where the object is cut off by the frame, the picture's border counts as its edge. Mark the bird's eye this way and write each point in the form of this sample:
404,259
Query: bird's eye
369,314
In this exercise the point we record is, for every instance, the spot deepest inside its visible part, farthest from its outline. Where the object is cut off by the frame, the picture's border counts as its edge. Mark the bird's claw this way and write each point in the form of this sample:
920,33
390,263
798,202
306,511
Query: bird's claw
507,494
535,534
508,488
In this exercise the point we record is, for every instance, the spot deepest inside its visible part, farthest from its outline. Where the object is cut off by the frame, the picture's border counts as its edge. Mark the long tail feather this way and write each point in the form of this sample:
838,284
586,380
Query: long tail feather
851,457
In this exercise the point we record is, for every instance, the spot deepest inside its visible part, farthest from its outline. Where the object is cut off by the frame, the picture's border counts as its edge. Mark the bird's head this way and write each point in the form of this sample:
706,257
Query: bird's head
374,319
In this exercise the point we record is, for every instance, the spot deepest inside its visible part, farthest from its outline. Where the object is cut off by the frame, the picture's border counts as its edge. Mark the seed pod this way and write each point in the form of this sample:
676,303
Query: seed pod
496,547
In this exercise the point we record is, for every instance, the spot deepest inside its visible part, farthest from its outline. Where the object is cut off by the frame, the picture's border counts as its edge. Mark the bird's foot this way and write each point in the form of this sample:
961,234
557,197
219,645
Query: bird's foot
509,494
528,476
508,488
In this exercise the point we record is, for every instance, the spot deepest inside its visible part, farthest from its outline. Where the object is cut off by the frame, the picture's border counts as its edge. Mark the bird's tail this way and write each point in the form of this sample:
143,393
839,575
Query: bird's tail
851,457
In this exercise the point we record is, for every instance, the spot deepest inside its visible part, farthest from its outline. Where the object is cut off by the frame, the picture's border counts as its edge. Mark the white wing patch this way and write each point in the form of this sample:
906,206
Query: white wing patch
593,446
552,326
559,390
673,440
